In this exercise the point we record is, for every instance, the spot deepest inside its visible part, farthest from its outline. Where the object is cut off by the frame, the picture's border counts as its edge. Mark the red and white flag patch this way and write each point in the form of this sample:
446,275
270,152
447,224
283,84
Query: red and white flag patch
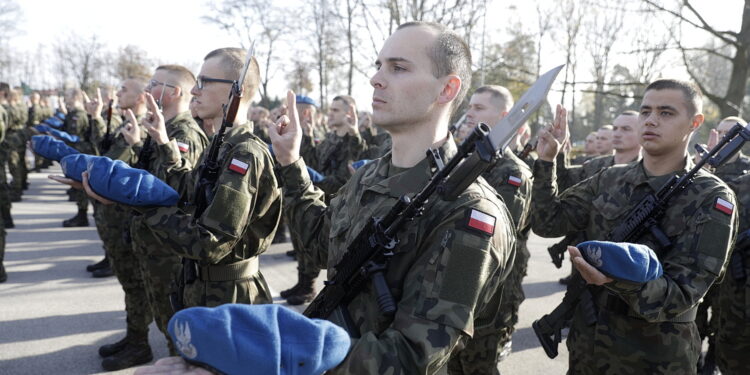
184,147
724,206
482,221
238,166
515,181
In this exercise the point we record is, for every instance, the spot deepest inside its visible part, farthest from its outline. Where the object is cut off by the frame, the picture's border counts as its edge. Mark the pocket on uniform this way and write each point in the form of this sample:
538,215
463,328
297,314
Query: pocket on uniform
227,212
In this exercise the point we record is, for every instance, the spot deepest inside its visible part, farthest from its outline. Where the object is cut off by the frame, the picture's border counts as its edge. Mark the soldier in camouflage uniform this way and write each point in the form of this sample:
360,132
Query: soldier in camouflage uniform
642,328
5,203
17,116
332,157
733,331
446,272
731,170
77,123
157,262
4,197
222,244
37,114
511,178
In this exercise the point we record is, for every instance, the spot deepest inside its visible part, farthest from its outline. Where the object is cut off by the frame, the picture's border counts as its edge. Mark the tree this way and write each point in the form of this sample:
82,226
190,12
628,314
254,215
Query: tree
603,26
131,61
81,58
730,99
299,78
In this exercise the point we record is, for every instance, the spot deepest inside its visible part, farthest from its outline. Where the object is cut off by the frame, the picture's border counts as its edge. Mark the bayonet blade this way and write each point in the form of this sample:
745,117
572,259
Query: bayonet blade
502,133
250,54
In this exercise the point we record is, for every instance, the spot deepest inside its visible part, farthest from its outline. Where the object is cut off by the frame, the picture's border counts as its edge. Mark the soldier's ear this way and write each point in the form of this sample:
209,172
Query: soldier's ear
451,87
697,121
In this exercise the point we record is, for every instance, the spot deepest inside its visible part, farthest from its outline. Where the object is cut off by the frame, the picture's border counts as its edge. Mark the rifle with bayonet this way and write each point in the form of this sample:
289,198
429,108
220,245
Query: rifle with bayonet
106,142
208,175
642,219
367,256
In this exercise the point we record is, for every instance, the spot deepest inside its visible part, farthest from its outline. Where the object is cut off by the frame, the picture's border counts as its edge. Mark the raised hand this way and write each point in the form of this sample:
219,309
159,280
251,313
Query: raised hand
552,137
130,131
93,106
154,121
352,120
286,134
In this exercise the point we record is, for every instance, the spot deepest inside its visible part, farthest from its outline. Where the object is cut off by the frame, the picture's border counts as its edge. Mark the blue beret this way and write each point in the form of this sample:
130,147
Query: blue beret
315,176
117,181
258,339
622,261
57,133
303,99
51,148
42,128
54,122
359,163
60,115
75,164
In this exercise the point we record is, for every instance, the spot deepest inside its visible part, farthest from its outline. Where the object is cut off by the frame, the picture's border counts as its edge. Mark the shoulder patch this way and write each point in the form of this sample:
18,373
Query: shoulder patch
515,181
184,147
480,221
238,166
724,206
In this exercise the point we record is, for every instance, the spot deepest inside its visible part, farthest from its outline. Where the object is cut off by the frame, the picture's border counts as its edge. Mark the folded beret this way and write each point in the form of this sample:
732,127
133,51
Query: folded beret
75,164
622,260
50,148
119,182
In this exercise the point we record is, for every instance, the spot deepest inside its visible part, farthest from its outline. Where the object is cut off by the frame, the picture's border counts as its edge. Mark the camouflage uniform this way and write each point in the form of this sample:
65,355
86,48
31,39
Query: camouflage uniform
641,328
4,197
511,177
236,227
158,263
707,328
444,275
16,152
733,334
377,146
77,123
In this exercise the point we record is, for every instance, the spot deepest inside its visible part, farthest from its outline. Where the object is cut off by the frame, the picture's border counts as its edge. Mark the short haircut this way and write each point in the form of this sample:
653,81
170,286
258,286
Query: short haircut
141,81
590,134
4,88
449,55
346,99
500,95
691,92
265,113
629,112
607,127
233,61
734,119
184,78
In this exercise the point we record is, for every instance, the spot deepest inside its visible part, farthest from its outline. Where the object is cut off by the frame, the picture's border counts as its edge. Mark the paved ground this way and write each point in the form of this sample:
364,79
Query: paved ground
54,316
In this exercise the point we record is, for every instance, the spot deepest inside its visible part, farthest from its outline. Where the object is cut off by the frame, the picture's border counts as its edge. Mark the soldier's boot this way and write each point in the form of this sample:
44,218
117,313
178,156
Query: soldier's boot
105,271
110,349
7,219
305,293
15,197
292,253
3,275
100,264
80,220
134,354
289,292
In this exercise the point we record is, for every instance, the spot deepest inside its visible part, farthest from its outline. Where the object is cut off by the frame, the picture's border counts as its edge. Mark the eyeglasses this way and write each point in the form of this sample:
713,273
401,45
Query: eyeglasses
201,81
153,83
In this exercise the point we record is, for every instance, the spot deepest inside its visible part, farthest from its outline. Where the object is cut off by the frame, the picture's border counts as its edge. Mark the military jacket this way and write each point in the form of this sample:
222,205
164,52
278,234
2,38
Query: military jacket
240,221
700,224
443,274
100,129
3,123
77,123
332,158
730,171
511,178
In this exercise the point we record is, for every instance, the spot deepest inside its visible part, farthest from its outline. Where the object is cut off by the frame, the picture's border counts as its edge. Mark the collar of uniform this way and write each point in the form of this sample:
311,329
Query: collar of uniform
407,181
182,116
636,174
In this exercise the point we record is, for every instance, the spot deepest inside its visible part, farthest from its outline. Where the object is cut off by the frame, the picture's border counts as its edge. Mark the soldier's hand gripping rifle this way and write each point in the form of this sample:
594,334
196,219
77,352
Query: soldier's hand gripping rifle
643,218
208,175
106,142
367,256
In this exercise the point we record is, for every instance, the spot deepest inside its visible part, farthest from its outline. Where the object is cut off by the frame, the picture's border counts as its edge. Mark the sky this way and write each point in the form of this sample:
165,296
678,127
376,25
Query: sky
143,22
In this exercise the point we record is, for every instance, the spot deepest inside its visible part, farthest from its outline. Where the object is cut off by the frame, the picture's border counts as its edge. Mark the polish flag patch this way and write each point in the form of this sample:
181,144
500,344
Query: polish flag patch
481,221
515,181
238,166
724,206
184,147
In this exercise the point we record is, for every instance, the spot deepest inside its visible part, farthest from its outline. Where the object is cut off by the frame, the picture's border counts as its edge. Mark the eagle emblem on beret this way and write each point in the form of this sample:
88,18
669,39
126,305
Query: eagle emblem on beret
182,334
594,253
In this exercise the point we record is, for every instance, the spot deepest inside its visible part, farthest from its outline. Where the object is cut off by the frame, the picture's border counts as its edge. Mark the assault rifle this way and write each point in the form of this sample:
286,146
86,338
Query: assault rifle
642,219
367,257
106,142
208,174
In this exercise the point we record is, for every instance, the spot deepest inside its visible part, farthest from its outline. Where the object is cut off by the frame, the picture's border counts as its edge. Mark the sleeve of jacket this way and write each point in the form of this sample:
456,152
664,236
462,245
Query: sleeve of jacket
446,288
554,214
695,261
214,234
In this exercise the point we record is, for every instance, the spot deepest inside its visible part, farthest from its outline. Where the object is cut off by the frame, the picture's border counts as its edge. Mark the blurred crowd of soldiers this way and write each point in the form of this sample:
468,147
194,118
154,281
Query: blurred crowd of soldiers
165,123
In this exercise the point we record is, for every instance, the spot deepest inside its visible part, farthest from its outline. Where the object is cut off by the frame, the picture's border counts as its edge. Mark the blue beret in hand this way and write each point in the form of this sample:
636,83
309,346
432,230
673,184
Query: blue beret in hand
302,99
359,163
51,148
42,128
258,339
60,115
117,181
315,176
622,261
53,122
75,164
63,135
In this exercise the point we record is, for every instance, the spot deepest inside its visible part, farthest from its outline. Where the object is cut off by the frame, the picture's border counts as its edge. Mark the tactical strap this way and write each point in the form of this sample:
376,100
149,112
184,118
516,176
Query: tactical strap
614,304
229,272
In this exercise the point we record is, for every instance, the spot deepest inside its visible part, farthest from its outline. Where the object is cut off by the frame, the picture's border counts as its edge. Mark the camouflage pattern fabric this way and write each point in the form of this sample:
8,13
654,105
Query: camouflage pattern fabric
77,123
4,192
511,178
648,338
16,141
238,225
733,335
731,171
444,276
